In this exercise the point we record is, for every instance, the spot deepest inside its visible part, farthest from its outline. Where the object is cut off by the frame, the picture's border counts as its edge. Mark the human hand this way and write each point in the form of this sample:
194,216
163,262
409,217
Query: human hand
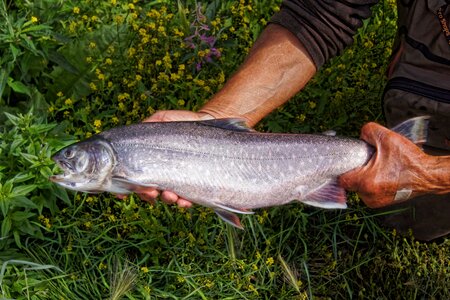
398,170
169,197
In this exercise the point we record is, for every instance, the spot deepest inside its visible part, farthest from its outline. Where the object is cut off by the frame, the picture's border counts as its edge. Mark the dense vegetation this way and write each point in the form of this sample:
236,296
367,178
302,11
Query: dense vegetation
70,69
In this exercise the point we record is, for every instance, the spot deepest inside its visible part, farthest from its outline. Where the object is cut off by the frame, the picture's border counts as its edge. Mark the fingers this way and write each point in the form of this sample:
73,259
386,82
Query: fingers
177,115
166,196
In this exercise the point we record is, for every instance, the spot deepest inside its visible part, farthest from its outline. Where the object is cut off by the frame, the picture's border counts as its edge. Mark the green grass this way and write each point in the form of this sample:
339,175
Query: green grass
78,69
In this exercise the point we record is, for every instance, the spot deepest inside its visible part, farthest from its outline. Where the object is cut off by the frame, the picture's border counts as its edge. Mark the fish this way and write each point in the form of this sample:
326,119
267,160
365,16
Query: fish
219,163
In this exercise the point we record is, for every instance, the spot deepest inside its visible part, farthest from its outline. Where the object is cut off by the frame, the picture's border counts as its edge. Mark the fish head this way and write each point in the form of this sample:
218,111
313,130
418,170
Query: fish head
85,165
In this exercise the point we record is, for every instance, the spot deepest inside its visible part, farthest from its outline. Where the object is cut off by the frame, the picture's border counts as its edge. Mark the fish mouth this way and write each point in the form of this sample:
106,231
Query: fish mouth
57,178
65,167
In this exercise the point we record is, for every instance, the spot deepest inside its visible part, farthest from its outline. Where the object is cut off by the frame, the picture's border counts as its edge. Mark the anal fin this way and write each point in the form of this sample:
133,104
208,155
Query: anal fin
329,195
229,217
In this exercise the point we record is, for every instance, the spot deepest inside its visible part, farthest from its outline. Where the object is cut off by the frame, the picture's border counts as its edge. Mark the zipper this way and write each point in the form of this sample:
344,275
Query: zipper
418,88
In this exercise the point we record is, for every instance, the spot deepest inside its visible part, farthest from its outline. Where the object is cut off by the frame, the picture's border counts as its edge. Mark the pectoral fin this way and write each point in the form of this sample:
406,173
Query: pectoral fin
235,210
124,184
229,217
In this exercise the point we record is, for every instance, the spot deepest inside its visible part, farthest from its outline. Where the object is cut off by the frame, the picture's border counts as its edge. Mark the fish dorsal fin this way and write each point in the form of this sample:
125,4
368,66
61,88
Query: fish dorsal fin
229,217
234,124
130,185
329,133
329,195
414,129
235,210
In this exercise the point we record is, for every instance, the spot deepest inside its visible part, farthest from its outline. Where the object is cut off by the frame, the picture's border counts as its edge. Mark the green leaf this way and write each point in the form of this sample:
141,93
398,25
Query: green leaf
6,226
7,188
46,172
62,62
13,119
37,28
29,157
4,75
19,216
22,201
30,229
17,238
15,52
23,190
61,193
40,128
15,144
21,177
18,87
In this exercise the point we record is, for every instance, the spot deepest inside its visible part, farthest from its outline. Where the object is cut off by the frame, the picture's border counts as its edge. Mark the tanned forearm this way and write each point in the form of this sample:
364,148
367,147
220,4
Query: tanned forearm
276,68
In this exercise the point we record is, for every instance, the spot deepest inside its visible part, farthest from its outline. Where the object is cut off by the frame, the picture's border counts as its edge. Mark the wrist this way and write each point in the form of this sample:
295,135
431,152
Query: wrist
432,176
438,179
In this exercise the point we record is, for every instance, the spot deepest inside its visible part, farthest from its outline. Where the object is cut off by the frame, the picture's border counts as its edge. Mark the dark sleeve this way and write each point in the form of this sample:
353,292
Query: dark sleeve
324,27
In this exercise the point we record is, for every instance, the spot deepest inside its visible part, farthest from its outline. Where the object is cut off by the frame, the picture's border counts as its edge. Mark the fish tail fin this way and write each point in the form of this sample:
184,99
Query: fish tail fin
329,195
415,129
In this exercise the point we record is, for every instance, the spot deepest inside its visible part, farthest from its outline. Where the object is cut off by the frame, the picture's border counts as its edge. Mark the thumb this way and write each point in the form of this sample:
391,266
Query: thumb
351,179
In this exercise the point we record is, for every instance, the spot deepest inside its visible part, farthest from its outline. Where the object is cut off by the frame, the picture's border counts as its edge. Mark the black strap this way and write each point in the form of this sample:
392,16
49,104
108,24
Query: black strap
418,88
444,23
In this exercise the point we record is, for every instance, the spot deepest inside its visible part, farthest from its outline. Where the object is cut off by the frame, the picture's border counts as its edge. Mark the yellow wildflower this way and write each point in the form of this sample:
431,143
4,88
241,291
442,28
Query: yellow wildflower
97,123
88,59
270,261
123,96
76,10
178,32
108,61
118,19
92,45
93,86
144,269
34,19
131,52
68,102
102,266
60,94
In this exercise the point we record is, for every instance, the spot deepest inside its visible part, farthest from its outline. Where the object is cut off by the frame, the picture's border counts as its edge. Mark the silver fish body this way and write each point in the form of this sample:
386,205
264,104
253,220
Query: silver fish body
216,163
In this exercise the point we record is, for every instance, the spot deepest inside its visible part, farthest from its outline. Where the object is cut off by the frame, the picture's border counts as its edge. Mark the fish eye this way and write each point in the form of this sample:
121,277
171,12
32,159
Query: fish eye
69,153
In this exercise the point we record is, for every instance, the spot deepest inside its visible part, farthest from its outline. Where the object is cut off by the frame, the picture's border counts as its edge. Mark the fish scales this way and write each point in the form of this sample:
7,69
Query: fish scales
219,163
242,169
